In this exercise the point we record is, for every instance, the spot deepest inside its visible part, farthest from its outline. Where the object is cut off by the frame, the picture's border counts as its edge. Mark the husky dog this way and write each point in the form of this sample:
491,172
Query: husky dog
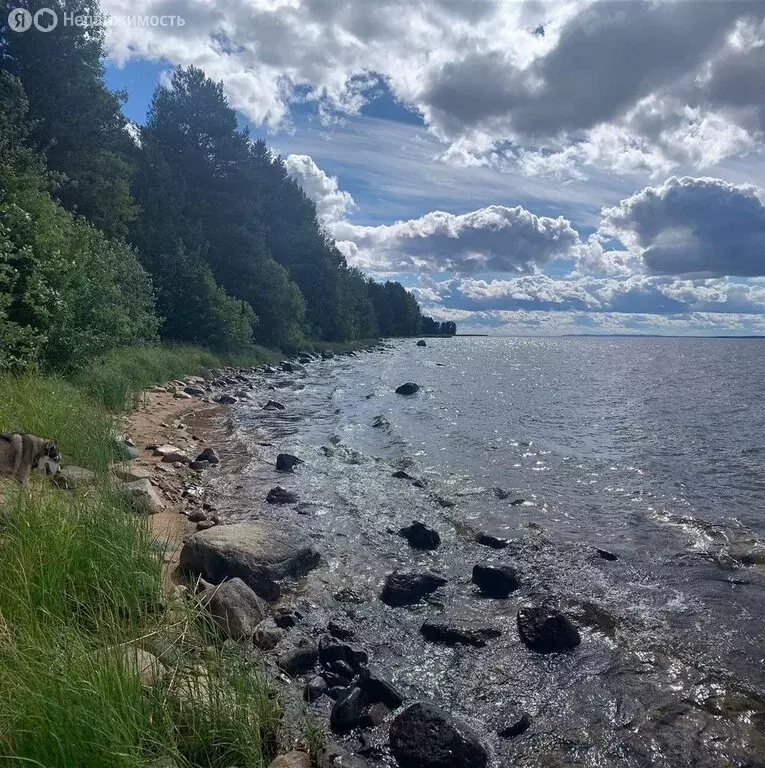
20,454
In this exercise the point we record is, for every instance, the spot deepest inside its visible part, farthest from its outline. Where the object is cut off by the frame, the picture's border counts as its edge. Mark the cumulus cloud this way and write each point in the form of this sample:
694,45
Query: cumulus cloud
496,238
332,203
632,86
692,226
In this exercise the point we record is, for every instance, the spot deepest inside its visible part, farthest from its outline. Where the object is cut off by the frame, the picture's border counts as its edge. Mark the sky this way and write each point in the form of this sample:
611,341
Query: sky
524,167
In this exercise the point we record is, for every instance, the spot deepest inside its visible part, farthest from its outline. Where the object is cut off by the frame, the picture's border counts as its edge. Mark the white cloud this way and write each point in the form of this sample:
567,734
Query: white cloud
332,203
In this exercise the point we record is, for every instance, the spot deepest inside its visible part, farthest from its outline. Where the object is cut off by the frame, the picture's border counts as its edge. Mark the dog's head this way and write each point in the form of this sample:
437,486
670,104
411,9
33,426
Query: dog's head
51,458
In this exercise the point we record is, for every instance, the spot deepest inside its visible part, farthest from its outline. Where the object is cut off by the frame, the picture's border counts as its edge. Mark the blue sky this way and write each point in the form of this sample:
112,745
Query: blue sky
605,176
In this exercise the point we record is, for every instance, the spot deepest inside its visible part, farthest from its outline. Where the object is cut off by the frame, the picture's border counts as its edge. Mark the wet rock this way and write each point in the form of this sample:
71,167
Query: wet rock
380,422
236,609
199,465
274,405
423,736
72,477
292,760
210,455
332,650
379,689
334,756
589,614
606,555
142,497
410,388
420,483
299,658
347,711
343,670
458,631
339,630
420,536
288,367
286,462
516,722
422,343
285,618
546,630
260,553
225,399
501,493
335,679
197,516
517,502
489,540
495,580
281,495
402,588
267,635
373,715
349,595
315,688
442,501
195,391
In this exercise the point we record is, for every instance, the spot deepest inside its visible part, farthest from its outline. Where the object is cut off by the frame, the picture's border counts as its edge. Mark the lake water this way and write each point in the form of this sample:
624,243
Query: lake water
652,449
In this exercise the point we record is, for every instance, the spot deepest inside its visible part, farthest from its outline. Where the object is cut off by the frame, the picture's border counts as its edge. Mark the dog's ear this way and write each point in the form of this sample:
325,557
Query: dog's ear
51,449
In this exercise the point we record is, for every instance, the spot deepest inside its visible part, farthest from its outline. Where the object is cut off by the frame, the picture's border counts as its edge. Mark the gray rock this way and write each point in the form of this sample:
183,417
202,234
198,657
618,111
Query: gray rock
458,631
495,580
315,688
546,630
236,609
423,736
194,391
402,588
292,760
205,525
410,388
209,455
299,658
142,496
286,462
225,399
379,689
489,540
516,722
197,516
281,495
261,553
606,555
200,465
331,650
182,396
267,635
72,477
129,474
176,458
274,405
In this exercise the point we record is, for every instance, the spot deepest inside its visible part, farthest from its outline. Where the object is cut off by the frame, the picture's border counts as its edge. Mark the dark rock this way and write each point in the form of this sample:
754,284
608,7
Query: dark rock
286,462
274,405
422,343
420,536
343,670
200,465
495,580
332,650
194,390
402,588
401,475
379,689
337,691
349,595
373,715
205,525
339,630
516,722
225,399
380,422
209,455
347,711
517,502
197,516
606,555
334,679
410,388
420,483
267,635
458,631
589,614
546,630
423,736
285,619
298,659
315,688
442,501
176,458
501,493
489,540
281,495
260,553
235,608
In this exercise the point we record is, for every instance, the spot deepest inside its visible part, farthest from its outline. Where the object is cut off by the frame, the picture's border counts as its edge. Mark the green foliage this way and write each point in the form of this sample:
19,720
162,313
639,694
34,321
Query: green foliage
431,327
398,313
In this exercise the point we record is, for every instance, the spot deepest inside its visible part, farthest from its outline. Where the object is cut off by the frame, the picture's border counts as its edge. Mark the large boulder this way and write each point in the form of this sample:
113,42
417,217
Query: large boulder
402,588
422,343
495,580
420,536
423,736
409,388
546,630
236,609
260,553
141,495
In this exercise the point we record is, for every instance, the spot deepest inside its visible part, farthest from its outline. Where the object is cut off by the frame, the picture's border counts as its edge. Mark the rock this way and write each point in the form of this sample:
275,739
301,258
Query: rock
127,451
195,391
606,555
225,399
401,475
197,516
517,502
281,495
298,659
205,525
182,396
267,635
285,618
176,458
209,455
236,609
143,664
286,462
495,580
380,422
442,501
458,631
546,630
130,474
489,540
501,493
71,477
165,450
373,715
410,388
315,688
331,651
420,536
339,630
292,760
420,483
260,553
589,614
422,343
402,588
274,405
379,689
292,368
423,736
516,722
347,711
142,496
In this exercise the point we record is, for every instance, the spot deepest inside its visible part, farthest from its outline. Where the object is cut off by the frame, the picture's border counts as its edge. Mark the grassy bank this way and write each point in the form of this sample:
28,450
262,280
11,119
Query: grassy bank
82,591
